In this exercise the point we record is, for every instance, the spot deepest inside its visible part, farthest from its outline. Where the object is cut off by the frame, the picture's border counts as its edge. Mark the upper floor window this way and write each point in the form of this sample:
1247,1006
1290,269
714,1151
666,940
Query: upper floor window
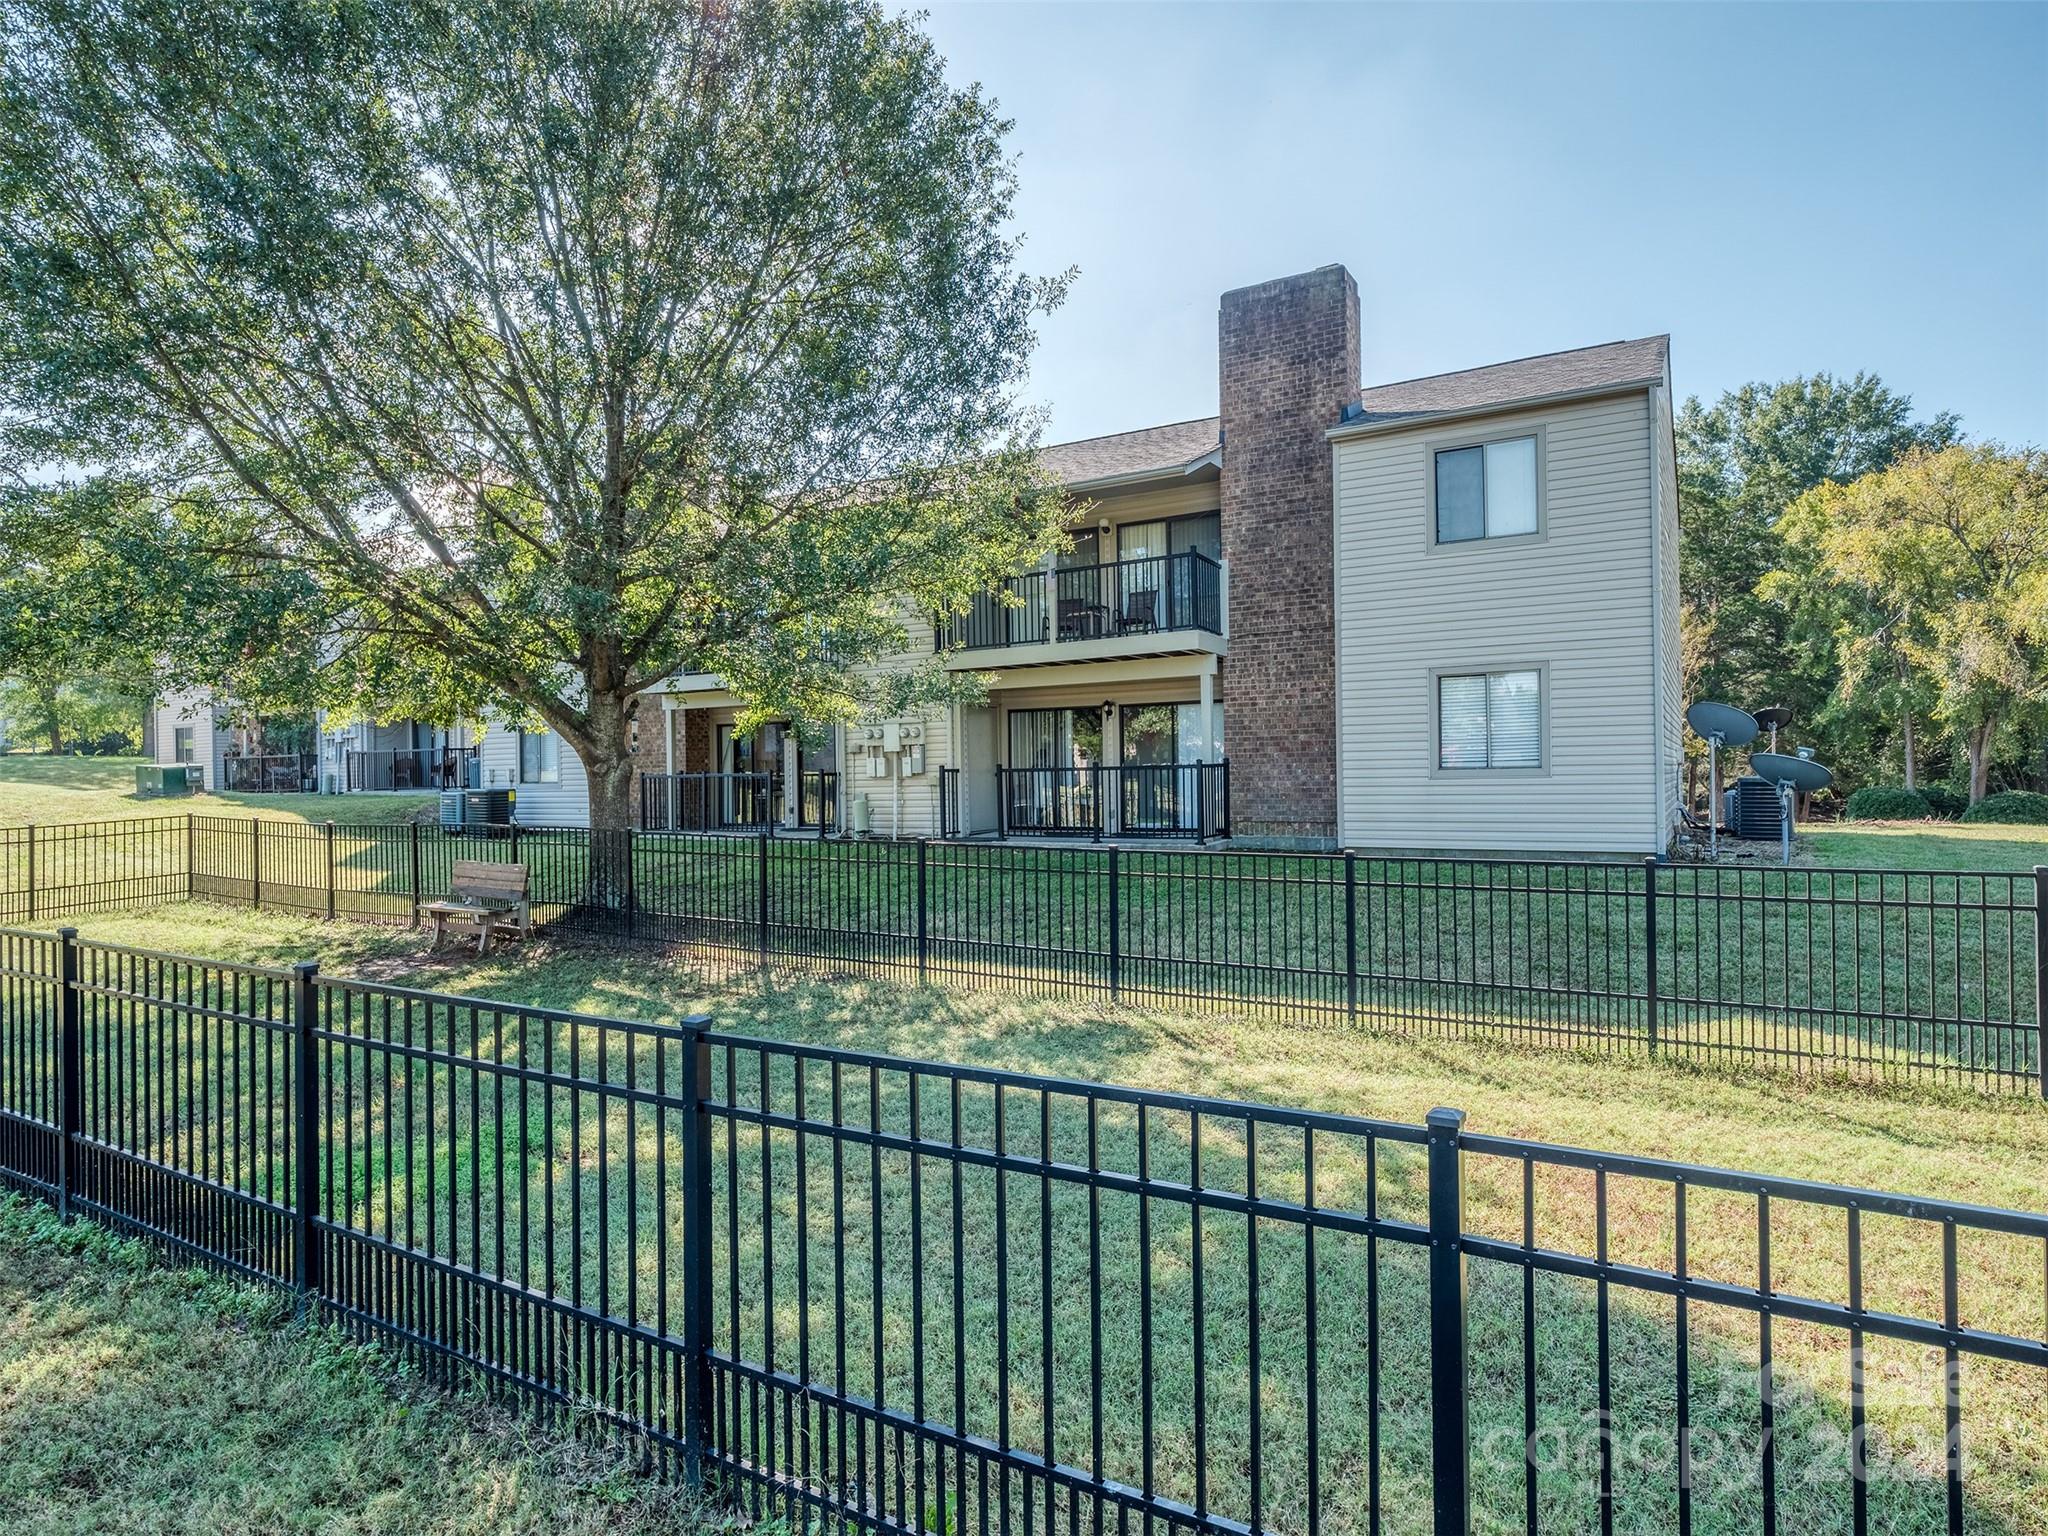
181,740
1486,491
1490,720
540,757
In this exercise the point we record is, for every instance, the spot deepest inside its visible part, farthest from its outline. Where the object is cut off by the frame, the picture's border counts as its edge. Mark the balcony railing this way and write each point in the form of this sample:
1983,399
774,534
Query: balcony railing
1156,595
1190,800
736,802
274,773
411,768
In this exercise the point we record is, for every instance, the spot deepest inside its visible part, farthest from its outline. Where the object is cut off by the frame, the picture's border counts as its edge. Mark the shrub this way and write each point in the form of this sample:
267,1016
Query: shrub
2015,806
1946,803
1886,802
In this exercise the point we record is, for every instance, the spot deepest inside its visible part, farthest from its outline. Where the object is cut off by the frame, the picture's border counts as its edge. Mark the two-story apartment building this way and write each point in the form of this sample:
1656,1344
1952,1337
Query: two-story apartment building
1439,613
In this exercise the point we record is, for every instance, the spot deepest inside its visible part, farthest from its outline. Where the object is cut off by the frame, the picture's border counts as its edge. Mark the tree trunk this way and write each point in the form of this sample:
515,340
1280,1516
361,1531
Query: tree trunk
609,769
1977,742
1909,749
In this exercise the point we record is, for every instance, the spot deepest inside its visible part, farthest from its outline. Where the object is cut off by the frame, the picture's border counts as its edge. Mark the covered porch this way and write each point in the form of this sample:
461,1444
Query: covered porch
1096,752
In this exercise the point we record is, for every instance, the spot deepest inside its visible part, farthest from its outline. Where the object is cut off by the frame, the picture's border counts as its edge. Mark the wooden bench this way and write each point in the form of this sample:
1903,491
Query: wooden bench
489,895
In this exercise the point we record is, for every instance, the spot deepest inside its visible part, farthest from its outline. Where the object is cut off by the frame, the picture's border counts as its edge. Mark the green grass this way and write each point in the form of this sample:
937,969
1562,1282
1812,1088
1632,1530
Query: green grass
1921,845
1916,1140
137,1397
47,790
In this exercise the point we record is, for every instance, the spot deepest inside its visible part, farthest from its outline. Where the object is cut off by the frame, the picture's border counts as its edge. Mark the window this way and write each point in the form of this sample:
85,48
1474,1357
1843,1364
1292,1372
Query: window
1490,720
633,735
1487,491
540,757
181,740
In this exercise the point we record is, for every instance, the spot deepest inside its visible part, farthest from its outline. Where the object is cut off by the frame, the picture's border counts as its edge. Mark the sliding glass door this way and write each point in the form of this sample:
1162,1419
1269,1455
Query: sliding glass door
1052,783
749,802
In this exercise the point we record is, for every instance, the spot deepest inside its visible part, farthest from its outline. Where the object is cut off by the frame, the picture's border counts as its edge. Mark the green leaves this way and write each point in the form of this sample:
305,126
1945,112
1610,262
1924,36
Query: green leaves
558,347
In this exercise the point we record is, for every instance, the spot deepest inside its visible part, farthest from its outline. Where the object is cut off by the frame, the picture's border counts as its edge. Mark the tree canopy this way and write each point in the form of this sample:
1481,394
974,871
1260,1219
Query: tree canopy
1940,566
521,355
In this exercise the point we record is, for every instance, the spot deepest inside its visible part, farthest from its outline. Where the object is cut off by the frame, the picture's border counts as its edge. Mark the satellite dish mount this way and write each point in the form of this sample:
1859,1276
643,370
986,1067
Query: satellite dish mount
1719,725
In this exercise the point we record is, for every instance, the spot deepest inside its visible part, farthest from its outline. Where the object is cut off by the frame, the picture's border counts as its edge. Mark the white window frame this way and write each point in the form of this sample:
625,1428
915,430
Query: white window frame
1435,446
548,773
1437,770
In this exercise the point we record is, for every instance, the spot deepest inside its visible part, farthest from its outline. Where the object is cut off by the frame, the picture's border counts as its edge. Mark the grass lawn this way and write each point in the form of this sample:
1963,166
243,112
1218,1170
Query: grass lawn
1923,1140
138,1397
1925,845
46,790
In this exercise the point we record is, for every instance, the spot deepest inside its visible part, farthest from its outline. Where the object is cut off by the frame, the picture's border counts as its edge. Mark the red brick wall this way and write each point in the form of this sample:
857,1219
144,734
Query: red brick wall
1288,359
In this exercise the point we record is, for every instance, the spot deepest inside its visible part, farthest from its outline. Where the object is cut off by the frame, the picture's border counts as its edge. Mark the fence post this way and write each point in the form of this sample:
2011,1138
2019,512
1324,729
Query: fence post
761,892
1351,935
191,855
305,1136
923,919
256,862
632,893
31,872
697,1258
70,1068
327,836
1116,935
1650,949
415,840
2041,976
1450,1435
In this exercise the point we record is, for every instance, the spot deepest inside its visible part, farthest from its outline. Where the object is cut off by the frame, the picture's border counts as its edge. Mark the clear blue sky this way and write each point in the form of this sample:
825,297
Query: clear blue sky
1784,189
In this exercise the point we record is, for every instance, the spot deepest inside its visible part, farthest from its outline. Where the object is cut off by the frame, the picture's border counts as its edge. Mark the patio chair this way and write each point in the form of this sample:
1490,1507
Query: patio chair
1141,609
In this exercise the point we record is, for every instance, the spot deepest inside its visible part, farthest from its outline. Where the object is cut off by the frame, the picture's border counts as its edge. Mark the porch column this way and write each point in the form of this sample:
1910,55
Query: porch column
668,733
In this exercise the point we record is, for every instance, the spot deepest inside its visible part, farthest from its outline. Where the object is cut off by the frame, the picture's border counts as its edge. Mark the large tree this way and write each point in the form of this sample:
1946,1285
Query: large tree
1941,563
559,347
1741,463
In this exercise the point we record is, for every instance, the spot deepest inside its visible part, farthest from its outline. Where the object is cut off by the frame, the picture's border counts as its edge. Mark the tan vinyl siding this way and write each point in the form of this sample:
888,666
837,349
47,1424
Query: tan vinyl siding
917,814
1578,602
1671,717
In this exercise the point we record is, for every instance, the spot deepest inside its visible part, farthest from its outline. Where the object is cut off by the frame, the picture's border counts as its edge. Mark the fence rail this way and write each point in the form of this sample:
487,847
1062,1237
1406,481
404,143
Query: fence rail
1876,973
926,1296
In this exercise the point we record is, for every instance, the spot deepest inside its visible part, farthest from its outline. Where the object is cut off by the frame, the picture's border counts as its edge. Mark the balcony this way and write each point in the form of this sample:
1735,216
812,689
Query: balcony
411,768
1123,608
1137,800
738,802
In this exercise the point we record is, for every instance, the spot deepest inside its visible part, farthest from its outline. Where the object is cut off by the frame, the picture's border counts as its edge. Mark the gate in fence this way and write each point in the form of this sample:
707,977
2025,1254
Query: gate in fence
926,1296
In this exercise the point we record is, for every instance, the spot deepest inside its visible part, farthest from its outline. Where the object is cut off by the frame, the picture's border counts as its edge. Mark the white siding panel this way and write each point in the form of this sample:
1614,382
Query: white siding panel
915,811
565,803
1581,602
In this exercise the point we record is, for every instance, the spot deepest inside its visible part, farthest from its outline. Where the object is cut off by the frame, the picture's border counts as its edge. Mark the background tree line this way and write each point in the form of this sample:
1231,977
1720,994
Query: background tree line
1881,577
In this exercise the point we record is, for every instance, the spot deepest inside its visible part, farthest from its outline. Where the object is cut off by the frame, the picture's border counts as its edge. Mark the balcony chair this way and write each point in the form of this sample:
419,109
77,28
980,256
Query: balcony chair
1141,610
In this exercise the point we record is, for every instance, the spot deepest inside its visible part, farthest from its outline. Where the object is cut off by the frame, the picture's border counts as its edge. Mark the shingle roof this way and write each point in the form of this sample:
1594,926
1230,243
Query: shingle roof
1613,364
1168,449
1160,449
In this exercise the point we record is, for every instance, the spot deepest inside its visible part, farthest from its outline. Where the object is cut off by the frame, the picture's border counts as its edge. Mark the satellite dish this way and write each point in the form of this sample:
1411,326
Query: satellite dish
1723,724
1800,773
1774,717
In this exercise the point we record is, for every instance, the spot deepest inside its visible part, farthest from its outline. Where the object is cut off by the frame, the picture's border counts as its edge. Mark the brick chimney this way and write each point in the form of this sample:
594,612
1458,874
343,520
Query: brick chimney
1288,361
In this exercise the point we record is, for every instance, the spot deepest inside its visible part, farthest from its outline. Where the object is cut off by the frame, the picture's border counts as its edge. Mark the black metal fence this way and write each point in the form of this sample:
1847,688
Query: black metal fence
276,773
1878,973
738,802
1137,800
923,1296
410,768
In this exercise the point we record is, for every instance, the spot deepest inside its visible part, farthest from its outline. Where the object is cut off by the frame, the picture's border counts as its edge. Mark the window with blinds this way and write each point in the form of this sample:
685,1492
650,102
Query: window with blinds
1490,720
540,760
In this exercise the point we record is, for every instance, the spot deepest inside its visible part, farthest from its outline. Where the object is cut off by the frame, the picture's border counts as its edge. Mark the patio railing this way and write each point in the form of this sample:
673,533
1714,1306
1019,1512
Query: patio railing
403,768
1155,595
275,773
1172,800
